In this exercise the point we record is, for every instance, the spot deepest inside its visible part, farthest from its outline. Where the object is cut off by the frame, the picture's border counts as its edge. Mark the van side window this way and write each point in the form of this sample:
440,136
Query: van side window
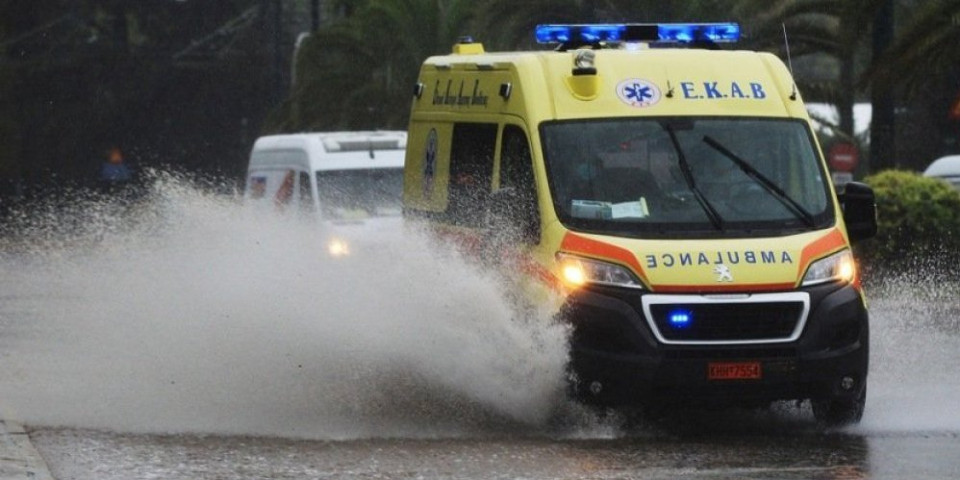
516,172
285,192
257,187
471,171
306,195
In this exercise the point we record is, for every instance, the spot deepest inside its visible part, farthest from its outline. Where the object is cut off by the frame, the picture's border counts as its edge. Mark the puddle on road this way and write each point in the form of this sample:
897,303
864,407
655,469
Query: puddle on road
199,315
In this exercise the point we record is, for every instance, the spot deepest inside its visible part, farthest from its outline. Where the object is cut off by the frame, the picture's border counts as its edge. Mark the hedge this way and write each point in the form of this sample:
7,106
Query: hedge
918,223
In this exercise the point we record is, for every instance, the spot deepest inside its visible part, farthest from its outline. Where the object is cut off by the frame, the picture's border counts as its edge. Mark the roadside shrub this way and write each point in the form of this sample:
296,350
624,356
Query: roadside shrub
918,224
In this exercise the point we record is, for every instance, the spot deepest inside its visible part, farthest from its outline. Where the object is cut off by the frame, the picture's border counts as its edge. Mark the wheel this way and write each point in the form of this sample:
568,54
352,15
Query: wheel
838,412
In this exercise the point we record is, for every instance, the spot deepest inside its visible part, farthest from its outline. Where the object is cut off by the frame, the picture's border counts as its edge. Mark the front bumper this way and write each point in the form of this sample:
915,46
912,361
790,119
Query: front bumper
618,357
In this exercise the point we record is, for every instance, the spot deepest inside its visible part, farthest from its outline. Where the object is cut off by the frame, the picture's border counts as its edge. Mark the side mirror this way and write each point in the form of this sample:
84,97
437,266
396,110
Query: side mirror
859,211
512,215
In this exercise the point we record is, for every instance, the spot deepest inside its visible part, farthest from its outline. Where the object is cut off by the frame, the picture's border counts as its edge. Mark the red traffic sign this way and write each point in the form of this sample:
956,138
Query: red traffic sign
843,157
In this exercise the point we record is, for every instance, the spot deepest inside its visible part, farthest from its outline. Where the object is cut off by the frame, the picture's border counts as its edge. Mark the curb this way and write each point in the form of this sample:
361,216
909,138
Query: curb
18,458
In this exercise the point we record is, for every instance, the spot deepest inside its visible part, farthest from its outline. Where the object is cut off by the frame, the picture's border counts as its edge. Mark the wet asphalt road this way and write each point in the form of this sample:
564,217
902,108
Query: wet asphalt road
84,454
258,377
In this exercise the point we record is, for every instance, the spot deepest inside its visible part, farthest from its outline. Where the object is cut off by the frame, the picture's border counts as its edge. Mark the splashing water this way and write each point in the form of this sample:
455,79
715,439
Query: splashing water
190,313
915,346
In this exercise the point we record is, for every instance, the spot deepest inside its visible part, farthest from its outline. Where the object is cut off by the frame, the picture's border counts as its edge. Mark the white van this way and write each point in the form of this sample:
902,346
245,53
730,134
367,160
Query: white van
946,168
339,176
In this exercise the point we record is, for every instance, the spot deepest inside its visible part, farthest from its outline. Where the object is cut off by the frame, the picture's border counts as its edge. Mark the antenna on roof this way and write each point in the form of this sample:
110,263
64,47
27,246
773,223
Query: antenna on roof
786,43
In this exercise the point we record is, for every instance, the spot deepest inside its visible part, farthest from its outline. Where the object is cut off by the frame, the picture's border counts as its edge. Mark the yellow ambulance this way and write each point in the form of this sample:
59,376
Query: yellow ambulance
671,193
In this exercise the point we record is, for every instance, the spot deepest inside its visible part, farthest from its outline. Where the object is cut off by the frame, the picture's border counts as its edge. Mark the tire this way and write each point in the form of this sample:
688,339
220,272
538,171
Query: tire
839,412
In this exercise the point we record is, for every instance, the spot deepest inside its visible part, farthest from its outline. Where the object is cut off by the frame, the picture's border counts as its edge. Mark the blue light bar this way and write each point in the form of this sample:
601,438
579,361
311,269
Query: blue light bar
580,33
586,34
690,32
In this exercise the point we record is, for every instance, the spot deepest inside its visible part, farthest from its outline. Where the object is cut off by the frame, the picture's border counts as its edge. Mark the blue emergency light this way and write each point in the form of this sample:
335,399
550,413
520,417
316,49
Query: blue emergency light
587,34
691,32
679,318
582,33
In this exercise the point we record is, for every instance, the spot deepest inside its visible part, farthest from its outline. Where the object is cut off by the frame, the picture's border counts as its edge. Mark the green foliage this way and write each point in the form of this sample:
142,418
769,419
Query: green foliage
358,72
78,76
509,24
926,44
918,222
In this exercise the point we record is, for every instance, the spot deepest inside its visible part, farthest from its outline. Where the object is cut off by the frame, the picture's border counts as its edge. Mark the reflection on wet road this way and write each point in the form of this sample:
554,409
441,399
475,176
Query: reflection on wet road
107,456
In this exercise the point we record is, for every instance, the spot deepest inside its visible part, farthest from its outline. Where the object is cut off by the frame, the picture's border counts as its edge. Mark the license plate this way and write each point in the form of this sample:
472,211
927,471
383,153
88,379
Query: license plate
733,371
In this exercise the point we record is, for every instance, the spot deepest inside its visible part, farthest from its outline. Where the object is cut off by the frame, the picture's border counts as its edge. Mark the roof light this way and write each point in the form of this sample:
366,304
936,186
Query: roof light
586,34
690,32
584,60
580,33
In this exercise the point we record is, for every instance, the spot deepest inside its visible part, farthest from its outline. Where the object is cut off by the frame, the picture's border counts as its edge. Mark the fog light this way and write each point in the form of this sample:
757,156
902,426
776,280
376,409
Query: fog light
847,383
596,387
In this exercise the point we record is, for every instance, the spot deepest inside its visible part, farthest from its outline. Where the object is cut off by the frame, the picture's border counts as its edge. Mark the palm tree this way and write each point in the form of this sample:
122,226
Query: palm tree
921,58
922,66
511,23
928,43
359,71
838,29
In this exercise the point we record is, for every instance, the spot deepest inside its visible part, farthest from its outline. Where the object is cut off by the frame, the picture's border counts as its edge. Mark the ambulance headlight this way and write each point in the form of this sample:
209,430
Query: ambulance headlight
577,271
837,267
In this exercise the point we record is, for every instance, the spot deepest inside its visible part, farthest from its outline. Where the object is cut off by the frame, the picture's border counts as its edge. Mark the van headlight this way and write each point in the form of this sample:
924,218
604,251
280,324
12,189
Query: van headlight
577,271
338,248
839,266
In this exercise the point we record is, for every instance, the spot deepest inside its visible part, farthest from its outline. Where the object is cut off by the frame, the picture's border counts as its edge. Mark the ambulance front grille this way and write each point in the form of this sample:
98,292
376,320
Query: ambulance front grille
745,319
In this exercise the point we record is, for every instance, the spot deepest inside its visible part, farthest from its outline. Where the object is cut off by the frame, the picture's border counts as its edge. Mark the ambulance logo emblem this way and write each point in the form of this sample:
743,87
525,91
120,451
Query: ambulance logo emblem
638,93
723,273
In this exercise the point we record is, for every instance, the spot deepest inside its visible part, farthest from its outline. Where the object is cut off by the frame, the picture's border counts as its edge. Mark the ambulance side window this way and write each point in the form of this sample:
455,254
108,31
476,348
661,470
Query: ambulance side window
471,171
516,172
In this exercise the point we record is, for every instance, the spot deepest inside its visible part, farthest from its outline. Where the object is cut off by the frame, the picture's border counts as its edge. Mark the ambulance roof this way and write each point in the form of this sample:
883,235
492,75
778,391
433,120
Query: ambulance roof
644,81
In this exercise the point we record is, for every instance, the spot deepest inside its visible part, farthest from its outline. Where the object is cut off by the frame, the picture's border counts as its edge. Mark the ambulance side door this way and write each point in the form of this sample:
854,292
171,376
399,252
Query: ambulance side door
514,204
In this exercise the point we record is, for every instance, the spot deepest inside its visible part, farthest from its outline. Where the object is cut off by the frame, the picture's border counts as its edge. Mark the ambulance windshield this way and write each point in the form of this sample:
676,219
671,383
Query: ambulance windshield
360,194
681,176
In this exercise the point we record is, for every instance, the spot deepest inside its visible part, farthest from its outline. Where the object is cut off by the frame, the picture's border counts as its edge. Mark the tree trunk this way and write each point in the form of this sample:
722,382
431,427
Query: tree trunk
882,145
121,28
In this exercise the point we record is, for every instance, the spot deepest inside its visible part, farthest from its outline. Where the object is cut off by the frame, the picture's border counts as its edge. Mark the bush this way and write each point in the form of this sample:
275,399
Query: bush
918,223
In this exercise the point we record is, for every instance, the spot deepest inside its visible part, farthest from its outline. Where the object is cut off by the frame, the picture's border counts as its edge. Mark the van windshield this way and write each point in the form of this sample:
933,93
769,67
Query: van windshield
359,194
683,177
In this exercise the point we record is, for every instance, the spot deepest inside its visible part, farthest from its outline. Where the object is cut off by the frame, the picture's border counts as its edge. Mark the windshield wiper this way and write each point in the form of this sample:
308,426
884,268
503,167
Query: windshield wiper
711,212
761,179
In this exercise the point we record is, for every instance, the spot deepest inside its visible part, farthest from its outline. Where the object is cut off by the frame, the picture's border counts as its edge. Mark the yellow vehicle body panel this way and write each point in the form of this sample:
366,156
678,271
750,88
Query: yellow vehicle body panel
662,82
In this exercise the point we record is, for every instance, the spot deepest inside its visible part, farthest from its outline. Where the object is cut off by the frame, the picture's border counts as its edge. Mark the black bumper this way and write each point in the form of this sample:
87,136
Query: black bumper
616,359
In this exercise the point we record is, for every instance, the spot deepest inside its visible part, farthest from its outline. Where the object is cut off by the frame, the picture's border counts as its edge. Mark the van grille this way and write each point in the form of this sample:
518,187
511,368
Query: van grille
698,319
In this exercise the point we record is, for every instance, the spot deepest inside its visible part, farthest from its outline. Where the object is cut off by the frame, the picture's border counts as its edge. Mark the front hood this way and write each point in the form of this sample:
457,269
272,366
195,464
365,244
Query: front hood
716,265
